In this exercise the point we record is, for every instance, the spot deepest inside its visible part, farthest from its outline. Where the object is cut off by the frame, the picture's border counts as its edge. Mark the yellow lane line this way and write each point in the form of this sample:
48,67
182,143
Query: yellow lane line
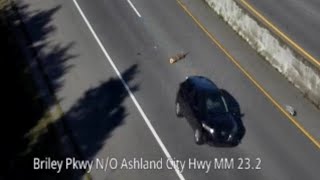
230,57
281,34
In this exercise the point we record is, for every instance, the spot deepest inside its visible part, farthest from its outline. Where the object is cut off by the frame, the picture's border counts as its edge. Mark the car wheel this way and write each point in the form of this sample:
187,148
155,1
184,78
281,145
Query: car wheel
178,109
198,137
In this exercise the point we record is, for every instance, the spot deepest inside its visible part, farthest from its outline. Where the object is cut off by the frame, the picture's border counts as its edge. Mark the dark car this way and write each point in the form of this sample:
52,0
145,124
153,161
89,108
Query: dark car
212,117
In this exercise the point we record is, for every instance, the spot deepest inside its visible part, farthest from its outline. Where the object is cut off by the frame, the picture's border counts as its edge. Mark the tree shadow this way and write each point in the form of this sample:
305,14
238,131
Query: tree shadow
51,56
89,123
25,112
99,112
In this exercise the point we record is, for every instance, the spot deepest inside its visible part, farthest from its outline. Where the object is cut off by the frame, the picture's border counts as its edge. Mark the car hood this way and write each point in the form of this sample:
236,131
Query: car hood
223,123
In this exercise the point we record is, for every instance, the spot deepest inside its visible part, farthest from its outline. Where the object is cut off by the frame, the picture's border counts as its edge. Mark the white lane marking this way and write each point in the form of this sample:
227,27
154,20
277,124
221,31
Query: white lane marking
147,121
134,8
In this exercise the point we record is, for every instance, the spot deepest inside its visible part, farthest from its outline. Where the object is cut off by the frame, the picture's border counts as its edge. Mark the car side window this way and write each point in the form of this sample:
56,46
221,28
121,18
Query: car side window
186,88
193,99
191,95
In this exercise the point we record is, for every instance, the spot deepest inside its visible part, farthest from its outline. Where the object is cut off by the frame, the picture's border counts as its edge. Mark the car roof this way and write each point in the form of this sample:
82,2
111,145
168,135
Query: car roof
203,83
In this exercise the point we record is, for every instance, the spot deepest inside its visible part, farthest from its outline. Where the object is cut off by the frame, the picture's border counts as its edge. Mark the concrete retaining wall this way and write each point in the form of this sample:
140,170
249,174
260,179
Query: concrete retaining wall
299,71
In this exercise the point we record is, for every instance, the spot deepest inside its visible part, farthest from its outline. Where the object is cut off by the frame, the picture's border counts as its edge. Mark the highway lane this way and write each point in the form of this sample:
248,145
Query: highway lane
299,20
165,26
164,29
103,119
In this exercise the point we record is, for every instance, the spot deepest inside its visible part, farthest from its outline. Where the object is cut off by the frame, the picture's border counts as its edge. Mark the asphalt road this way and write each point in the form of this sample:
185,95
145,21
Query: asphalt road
298,19
107,123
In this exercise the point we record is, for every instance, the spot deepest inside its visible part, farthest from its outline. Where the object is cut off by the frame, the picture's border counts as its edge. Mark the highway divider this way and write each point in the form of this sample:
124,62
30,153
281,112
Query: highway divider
295,67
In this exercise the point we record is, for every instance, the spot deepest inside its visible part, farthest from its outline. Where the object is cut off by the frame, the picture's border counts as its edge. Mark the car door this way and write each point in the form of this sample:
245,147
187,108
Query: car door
182,96
192,108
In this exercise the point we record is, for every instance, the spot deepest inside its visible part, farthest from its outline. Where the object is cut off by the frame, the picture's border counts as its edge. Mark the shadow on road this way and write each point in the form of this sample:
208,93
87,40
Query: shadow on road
99,112
38,27
26,131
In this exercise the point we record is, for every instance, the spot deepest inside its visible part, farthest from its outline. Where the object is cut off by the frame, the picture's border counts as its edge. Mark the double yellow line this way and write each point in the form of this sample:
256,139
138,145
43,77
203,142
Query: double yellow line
247,74
282,35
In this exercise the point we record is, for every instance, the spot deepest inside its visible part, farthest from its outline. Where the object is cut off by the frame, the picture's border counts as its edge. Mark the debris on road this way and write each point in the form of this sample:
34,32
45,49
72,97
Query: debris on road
177,57
290,110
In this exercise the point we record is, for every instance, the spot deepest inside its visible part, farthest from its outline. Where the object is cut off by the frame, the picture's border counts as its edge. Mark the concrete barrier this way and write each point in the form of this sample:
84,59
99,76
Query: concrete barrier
298,70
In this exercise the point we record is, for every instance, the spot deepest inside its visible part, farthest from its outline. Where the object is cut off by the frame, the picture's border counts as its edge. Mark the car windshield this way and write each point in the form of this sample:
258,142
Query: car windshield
215,104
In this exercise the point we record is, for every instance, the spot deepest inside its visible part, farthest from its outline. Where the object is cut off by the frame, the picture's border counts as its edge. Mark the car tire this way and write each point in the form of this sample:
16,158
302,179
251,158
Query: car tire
198,136
178,109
